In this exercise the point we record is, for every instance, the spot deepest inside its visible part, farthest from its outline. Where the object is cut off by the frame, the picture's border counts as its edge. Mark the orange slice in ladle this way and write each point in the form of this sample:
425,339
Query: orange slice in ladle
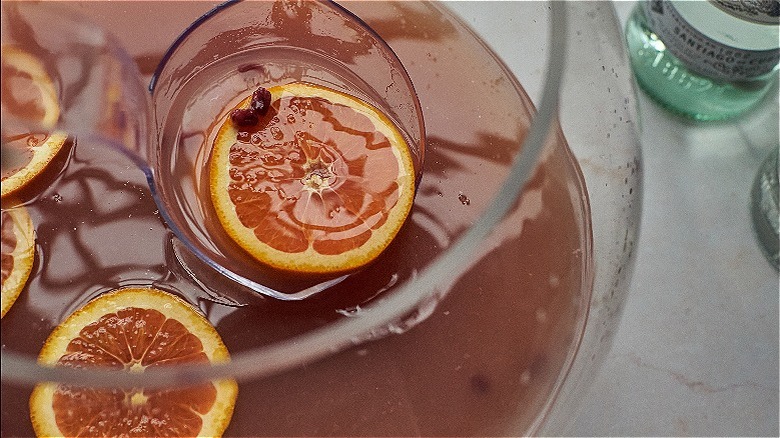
320,184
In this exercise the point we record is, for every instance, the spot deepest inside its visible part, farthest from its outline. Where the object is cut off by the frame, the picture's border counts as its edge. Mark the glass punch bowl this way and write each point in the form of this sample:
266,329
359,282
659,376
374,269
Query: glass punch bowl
491,311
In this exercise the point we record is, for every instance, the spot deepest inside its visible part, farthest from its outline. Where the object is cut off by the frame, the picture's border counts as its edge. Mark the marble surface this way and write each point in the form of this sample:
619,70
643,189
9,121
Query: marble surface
696,352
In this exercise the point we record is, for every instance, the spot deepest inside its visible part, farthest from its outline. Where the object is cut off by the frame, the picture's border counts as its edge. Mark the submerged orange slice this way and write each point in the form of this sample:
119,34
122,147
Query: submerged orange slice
18,253
28,96
133,329
321,184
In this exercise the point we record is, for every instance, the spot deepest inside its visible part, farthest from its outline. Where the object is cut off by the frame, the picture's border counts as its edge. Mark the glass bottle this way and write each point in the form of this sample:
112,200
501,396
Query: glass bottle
765,207
707,60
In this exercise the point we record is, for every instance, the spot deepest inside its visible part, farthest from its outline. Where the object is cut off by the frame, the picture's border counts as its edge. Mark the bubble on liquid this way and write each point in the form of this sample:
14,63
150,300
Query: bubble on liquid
541,315
290,118
463,199
57,197
276,177
236,174
423,312
277,133
350,312
271,159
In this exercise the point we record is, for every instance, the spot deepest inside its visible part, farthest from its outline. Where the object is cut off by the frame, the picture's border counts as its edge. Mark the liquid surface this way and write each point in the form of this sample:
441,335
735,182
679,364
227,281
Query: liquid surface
483,361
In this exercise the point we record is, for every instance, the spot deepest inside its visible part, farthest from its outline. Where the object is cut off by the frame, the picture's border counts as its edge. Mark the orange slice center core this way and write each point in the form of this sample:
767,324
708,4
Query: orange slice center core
319,176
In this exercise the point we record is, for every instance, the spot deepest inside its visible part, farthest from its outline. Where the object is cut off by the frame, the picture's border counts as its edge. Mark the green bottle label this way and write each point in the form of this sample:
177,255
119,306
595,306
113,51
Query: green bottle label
703,54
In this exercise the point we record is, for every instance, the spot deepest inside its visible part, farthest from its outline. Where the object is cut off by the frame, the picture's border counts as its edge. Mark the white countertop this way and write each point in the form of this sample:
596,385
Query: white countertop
696,352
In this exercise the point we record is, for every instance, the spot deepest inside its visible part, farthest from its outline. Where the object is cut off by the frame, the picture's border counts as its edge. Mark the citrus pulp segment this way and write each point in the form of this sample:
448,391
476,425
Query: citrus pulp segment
29,96
321,184
133,329
18,254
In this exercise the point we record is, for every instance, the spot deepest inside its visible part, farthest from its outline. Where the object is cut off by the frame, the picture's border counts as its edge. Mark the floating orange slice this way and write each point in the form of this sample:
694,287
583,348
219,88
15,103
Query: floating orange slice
18,253
28,96
321,184
133,329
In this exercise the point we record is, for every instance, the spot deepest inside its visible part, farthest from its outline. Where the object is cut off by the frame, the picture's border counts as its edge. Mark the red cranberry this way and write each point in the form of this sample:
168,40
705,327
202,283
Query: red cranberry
244,117
261,101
